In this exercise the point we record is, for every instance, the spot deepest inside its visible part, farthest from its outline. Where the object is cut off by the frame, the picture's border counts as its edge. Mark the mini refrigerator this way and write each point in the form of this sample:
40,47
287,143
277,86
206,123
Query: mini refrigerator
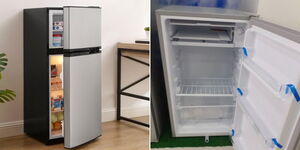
62,74
228,72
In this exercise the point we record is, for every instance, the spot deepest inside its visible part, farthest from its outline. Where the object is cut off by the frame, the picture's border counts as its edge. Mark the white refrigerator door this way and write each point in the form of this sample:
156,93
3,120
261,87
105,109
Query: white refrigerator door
82,27
268,112
82,96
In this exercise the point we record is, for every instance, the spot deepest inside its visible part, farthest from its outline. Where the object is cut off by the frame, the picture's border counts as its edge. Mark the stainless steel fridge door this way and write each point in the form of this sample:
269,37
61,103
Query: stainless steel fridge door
82,27
82,93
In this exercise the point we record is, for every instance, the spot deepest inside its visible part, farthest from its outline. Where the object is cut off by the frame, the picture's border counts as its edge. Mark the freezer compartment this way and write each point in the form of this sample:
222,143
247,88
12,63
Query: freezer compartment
206,120
56,100
56,29
204,33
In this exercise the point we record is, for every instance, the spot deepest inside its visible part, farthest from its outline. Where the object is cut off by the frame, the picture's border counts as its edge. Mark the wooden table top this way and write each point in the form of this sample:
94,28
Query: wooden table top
136,47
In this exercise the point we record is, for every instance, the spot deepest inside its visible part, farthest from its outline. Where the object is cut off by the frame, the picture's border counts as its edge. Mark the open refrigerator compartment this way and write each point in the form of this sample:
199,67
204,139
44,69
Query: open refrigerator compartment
56,99
56,29
205,121
205,72
253,129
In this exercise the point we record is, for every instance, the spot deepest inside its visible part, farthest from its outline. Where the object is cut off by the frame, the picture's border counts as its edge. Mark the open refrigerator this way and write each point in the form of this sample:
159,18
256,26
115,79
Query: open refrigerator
227,72
62,74
56,99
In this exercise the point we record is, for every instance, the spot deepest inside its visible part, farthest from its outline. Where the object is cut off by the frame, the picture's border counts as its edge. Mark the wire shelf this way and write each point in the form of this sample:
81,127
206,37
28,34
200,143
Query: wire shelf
206,87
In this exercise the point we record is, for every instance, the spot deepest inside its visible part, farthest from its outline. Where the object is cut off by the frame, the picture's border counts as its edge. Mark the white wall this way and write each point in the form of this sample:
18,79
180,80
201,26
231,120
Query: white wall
122,21
282,12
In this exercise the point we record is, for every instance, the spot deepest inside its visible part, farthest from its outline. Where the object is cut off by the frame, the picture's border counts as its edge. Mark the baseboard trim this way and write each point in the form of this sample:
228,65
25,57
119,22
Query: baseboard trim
8,129
13,128
110,114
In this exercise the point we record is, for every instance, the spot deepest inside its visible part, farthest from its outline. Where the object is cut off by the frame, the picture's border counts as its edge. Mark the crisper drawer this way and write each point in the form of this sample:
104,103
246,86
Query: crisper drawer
205,120
207,112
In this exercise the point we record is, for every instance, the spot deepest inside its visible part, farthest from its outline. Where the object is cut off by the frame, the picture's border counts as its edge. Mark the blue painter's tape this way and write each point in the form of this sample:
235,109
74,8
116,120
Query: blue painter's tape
294,91
232,132
245,51
240,91
276,143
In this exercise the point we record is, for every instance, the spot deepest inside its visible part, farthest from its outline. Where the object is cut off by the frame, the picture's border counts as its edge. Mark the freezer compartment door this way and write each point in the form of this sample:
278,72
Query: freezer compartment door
268,108
82,28
82,88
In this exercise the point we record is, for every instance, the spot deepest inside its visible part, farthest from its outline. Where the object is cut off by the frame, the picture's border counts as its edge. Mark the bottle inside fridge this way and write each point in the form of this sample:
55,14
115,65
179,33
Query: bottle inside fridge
56,121
56,28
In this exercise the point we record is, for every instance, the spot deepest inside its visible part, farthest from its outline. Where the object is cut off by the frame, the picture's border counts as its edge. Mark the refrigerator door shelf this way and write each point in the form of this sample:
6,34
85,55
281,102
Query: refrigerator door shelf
247,136
275,55
249,120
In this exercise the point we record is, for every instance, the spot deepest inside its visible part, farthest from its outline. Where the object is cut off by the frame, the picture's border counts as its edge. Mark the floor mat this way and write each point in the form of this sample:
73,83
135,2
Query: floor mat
167,141
198,148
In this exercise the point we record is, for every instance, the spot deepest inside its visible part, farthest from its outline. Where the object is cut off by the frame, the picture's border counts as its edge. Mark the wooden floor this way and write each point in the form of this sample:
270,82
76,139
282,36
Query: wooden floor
116,136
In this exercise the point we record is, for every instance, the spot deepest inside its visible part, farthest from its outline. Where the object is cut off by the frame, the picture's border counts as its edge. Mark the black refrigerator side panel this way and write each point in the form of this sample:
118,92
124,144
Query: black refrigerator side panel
159,105
36,74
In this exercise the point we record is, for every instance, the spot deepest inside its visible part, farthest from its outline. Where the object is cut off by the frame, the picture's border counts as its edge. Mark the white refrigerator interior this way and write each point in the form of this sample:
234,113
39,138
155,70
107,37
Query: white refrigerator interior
229,73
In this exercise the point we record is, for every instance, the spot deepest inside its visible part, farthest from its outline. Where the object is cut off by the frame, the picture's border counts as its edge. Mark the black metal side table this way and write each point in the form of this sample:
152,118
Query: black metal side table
130,51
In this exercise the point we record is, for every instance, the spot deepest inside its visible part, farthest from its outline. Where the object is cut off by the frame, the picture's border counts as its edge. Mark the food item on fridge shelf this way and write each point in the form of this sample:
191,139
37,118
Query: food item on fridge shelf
57,125
53,71
60,116
58,25
56,84
57,40
57,104
61,102
52,104
53,117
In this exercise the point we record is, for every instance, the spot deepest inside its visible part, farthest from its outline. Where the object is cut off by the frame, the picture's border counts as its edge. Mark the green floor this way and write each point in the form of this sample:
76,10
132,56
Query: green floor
166,140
